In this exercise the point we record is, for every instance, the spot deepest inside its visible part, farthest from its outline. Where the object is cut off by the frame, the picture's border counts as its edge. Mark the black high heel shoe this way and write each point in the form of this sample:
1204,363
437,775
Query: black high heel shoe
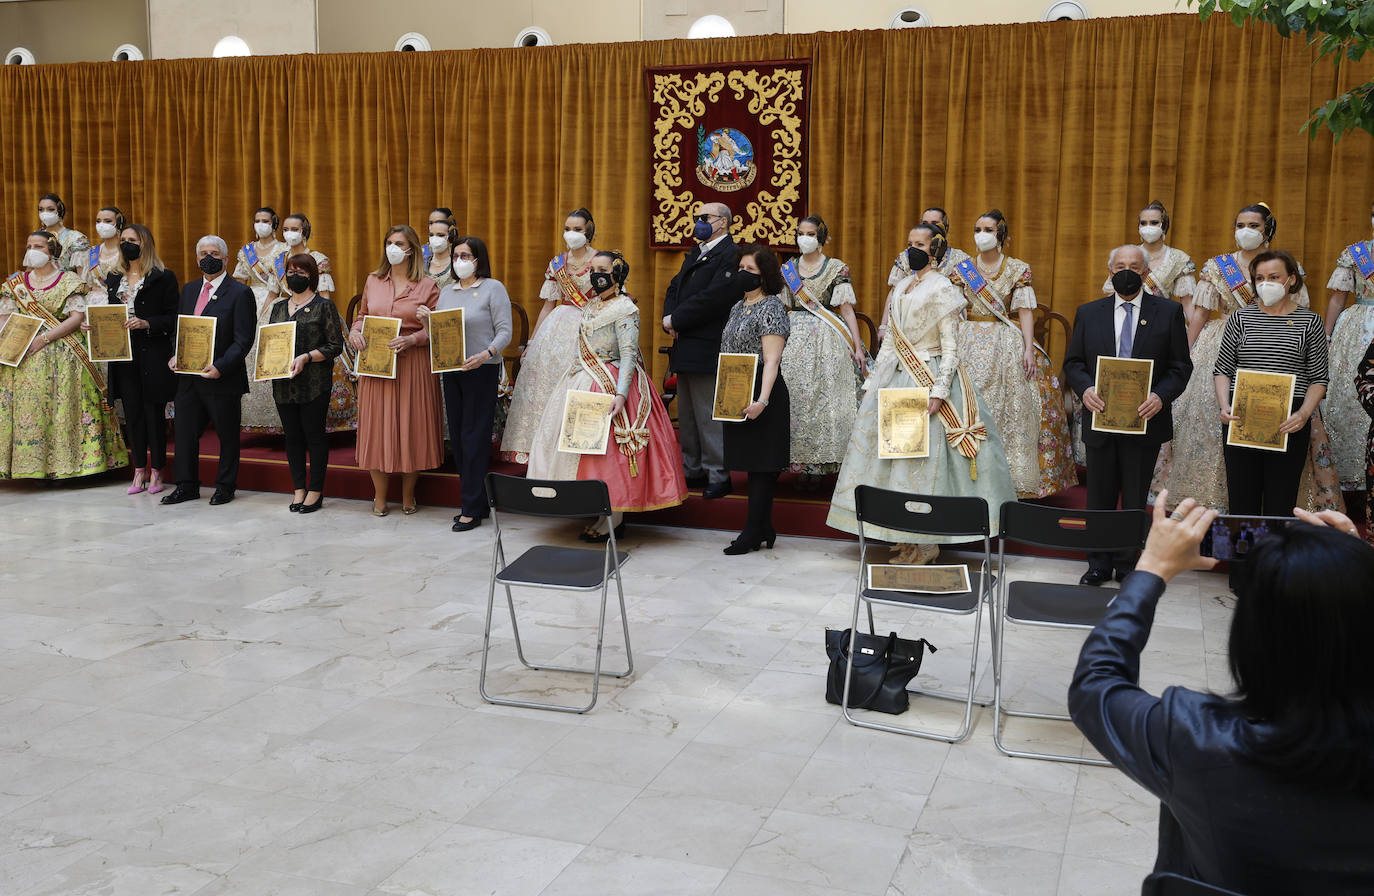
770,538
743,545
311,508
603,537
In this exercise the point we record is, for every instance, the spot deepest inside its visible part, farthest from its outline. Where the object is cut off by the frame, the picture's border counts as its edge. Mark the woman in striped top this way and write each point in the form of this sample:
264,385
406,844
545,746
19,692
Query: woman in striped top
1277,336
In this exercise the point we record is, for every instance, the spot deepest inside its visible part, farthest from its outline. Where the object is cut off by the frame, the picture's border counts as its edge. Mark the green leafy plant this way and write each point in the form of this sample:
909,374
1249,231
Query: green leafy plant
1340,29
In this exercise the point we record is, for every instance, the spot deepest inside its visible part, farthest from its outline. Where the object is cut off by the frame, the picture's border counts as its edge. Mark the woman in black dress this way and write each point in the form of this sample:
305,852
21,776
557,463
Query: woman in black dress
760,444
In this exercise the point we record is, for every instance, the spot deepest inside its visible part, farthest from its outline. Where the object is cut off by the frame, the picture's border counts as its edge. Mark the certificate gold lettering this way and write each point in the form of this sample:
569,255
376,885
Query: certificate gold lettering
735,373
903,423
109,338
447,340
1262,401
376,359
16,337
919,579
276,351
195,343
1123,384
586,423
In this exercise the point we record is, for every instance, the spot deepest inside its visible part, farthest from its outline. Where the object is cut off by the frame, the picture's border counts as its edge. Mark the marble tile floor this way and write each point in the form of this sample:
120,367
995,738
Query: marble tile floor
239,700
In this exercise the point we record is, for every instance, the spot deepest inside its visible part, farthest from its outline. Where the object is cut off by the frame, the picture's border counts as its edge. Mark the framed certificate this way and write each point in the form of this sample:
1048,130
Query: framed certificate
1123,384
1262,401
375,359
109,338
195,343
447,340
903,423
735,373
586,427
16,338
276,351
918,579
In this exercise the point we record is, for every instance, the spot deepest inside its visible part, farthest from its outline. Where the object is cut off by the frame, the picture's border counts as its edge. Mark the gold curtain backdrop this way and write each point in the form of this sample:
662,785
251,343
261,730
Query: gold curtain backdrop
1069,128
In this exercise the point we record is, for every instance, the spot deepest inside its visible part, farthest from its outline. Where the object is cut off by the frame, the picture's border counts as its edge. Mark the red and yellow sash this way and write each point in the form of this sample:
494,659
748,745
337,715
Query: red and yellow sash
630,438
566,284
964,431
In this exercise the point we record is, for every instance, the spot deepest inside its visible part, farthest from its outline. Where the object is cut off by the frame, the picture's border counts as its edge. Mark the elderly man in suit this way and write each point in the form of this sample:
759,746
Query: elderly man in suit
698,303
1130,323
215,394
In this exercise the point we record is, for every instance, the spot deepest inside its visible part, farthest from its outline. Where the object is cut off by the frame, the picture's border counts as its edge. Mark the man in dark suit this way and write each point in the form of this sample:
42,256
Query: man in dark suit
215,395
1131,323
698,303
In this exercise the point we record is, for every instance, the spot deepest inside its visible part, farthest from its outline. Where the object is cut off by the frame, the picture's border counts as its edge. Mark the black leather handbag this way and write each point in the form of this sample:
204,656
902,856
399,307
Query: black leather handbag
883,666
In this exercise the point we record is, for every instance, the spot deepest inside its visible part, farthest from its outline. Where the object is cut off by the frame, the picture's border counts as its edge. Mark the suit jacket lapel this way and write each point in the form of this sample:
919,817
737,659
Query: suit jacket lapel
1108,328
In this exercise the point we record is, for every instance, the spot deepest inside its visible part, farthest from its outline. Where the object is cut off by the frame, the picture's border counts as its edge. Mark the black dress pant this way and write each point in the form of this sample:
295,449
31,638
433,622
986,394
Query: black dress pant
1119,471
1265,483
303,424
197,408
470,403
144,416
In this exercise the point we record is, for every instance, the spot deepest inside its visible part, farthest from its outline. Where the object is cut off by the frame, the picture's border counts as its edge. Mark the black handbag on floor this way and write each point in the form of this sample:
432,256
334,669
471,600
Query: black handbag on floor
883,666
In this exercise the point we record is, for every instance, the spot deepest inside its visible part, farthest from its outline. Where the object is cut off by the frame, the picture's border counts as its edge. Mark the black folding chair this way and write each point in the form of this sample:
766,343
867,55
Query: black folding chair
554,567
922,515
1166,883
1052,604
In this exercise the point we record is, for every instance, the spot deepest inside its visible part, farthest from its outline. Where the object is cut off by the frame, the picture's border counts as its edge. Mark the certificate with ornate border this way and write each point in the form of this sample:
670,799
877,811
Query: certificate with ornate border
16,338
195,343
375,359
276,351
109,338
586,427
1262,400
1123,384
903,423
918,579
735,373
447,340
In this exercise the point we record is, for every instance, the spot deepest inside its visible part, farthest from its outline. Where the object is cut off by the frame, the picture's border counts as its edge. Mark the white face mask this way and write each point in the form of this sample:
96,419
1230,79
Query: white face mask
36,258
48,219
463,268
438,243
985,241
808,244
292,237
1151,233
395,254
574,239
105,230
1248,238
1271,292
263,229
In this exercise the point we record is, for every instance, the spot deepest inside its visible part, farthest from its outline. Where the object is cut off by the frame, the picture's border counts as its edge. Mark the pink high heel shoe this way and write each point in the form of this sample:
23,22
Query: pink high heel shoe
156,485
139,480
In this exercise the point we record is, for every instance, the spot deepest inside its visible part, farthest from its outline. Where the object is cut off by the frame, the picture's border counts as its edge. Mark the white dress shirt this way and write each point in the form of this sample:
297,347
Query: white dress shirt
707,247
1119,315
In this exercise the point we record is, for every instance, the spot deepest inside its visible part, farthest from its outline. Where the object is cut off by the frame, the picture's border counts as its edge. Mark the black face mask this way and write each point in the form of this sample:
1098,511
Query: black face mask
297,283
749,280
210,265
130,251
1126,282
917,259
601,281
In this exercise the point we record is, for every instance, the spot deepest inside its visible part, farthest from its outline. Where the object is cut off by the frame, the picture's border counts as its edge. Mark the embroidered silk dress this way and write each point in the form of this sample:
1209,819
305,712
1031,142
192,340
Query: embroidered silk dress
1341,410
1029,413
642,466
552,350
1364,388
54,422
1191,466
93,276
76,251
820,373
928,313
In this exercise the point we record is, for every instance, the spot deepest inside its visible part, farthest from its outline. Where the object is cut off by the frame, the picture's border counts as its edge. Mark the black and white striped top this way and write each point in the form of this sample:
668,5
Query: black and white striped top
1276,343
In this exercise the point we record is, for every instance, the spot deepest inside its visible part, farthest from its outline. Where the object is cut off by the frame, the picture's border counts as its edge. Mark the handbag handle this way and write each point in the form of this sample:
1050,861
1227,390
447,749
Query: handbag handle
887,666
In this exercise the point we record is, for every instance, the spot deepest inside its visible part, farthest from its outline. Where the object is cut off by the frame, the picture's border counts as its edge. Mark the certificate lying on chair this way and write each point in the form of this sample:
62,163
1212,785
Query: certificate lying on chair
16,337
109,338
903,423
1262,401
918,579
276,351
735,375
1123,384
447,341
586,424
195,343
375,359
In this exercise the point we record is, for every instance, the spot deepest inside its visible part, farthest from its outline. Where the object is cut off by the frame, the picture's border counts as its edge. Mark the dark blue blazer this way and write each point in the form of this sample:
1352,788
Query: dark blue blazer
1223,819
236,311
699,300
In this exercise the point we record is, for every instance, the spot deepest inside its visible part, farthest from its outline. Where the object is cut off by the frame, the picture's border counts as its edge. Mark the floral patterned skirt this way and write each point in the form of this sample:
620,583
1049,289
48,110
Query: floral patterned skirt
551,353
1346,420
823,383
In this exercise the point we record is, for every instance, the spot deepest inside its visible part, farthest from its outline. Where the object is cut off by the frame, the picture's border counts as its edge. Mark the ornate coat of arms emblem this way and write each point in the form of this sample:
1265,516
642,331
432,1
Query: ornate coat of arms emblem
725,159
